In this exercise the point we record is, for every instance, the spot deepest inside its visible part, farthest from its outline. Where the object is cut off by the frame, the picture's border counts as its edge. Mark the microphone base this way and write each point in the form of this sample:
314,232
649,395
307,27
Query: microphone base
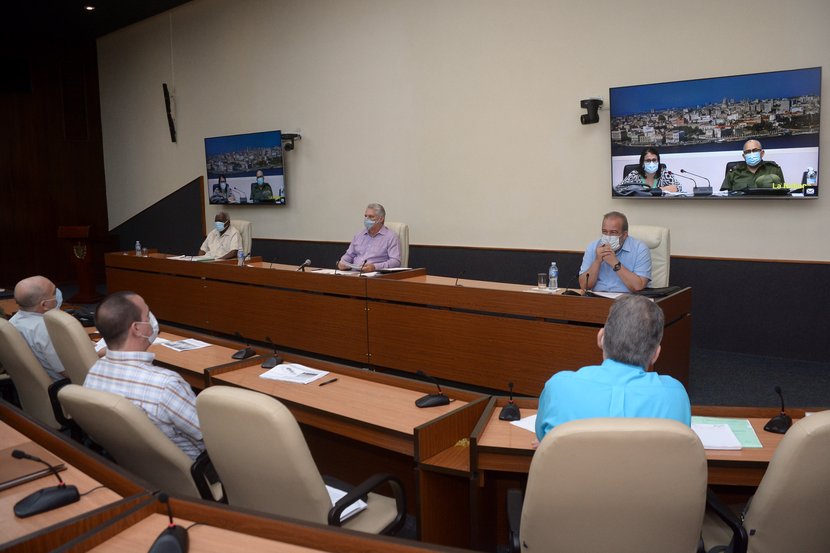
271,362
432,400
510,412
244,353
46,499
779,424
702,191
172,540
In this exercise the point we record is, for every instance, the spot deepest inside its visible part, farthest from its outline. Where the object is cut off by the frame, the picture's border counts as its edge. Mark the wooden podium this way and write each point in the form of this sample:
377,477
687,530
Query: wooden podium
81,254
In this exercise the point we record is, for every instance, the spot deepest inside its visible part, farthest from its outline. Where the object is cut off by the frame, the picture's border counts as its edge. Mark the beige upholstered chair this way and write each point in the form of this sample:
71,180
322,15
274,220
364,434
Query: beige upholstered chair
29,377
277,474
658,240
125,431
625,485
72,343
789,509
244,228
402,230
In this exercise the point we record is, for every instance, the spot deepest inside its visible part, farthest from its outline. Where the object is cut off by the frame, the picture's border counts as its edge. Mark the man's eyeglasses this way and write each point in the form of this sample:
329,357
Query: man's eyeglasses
752,151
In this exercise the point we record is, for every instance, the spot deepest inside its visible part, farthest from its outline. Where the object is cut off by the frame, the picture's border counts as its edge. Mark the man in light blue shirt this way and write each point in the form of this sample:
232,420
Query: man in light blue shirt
622,386
616,262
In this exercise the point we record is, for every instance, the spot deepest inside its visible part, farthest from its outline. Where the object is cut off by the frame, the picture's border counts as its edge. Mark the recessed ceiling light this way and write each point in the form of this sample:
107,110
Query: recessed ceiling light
89,8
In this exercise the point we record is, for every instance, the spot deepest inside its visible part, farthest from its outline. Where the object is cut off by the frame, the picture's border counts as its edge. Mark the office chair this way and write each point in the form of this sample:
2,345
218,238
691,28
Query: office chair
658,240
788,511
72,344
277,474
27,374
125,432
246,231
729,166
402,230
612,484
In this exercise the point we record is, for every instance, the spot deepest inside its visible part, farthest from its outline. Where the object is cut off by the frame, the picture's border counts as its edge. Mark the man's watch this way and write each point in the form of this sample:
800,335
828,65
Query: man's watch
617,266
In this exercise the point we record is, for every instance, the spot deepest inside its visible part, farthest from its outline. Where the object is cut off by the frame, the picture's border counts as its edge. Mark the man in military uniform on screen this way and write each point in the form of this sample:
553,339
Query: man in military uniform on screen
261,190
754,171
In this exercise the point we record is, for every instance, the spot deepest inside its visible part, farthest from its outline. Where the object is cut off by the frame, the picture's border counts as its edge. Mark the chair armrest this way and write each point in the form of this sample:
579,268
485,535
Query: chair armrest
57,408
739,539
204,474
363,489
515,501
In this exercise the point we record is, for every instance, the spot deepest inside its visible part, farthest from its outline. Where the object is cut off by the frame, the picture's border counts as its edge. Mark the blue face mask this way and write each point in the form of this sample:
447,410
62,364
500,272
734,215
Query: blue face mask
752,159
220,225
368,223
260,180
651,167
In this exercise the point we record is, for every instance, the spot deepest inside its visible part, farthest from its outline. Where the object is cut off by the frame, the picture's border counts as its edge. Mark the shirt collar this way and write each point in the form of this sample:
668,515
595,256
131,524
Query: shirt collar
145,356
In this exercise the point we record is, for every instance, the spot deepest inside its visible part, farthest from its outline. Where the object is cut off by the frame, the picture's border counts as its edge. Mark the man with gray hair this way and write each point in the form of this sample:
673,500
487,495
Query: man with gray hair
375,247
622,386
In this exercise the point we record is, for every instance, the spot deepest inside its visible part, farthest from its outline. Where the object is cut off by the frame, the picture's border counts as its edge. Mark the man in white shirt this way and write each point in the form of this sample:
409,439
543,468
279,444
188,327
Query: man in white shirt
36,295
224,241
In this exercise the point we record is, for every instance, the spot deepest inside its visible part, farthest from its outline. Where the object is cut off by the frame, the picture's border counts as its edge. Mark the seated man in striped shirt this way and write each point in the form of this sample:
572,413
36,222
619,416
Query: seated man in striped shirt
129,328
375,247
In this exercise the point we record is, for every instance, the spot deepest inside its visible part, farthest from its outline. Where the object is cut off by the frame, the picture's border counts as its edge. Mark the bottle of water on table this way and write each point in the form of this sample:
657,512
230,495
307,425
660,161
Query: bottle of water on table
553,276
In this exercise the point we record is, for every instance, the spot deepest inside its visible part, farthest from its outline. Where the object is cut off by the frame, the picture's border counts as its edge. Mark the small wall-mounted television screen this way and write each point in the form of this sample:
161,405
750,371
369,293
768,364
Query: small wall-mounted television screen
743,136
246,169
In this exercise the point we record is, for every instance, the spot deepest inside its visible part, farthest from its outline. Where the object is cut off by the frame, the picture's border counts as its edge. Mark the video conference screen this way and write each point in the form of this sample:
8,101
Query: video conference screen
743,136
246,169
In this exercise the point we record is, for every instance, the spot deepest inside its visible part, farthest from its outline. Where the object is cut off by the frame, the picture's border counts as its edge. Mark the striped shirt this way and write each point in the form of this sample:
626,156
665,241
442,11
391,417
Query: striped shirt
383,249
166,398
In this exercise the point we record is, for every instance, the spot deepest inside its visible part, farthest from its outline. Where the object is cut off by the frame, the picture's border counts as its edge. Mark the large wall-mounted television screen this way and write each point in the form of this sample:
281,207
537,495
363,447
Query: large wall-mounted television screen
246,169
743,136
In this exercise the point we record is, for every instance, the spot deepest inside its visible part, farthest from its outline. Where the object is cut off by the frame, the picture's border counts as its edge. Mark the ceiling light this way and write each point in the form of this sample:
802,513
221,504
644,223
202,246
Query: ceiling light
89,8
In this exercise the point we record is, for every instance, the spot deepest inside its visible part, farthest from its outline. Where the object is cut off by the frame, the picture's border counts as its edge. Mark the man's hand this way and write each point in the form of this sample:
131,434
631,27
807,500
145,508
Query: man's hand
342,266
606,254
369,267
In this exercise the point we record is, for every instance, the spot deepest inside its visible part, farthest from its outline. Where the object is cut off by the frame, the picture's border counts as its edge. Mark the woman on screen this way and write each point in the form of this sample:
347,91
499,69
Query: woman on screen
222,193
650,173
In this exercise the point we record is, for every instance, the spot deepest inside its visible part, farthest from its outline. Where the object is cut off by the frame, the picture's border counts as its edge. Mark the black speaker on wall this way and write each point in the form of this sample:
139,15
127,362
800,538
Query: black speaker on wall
170,122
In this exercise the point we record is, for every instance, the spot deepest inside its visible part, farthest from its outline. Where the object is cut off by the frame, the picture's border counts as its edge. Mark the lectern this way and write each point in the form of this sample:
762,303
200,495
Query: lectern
81,254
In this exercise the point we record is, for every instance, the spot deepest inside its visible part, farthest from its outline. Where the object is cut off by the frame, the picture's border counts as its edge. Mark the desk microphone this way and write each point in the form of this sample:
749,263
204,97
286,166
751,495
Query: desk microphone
172,539
360,272
274,360
431,400
461,274
243,199
46,499
305,264
694,182
245,352
700,190
510,412
780,423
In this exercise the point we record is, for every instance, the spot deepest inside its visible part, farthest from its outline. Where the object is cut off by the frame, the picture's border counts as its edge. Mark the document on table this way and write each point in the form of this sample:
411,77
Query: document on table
742,429
350,511
293,372
528,423
192,257
344,273
185,345
716,436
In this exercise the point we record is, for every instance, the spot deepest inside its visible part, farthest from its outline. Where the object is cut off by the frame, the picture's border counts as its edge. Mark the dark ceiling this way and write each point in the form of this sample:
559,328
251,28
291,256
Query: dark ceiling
68,20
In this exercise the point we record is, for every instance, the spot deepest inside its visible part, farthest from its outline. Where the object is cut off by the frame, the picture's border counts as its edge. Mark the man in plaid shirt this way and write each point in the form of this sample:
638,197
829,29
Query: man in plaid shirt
129,328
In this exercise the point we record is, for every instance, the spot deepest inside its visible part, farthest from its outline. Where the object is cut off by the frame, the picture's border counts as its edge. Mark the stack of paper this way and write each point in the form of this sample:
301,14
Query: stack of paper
716,436
349,511
293,372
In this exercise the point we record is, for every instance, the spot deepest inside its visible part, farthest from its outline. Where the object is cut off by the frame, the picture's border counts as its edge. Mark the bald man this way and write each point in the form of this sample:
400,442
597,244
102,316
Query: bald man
36,295
754,171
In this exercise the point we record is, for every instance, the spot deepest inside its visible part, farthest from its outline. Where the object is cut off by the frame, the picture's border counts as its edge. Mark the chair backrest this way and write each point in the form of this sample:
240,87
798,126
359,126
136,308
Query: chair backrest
658,240
788,509
125,431
244,228
72,344
277,474
29,377
729,166
402,230
616,484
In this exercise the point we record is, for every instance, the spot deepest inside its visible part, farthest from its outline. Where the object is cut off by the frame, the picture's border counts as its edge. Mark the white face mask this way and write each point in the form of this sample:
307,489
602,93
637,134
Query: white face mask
651,166
613,241
154,326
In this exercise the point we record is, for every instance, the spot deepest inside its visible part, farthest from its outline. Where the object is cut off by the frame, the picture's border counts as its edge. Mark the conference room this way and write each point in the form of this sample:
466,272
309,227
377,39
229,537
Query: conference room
446,113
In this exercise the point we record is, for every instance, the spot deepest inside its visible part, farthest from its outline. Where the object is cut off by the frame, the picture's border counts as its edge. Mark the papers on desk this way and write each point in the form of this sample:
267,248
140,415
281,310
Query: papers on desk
528,423
336,495
293,372
537,290
742,429
185,345
609,295
192,257
345,273
716,436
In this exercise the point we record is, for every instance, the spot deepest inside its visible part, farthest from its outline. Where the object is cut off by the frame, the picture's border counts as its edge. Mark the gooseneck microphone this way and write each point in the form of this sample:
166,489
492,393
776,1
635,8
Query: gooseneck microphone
700,190
360,272
46,499
780,423
510,412
461,274
275,359
431,400
305,264
172,539
245,352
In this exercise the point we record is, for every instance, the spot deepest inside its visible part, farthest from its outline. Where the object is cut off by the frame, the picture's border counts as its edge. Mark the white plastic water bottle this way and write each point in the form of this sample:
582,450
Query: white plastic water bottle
137,248
553,276
240,256
811,176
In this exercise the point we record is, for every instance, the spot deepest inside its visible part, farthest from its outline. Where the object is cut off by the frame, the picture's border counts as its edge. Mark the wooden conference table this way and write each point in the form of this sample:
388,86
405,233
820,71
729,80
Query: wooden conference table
471,332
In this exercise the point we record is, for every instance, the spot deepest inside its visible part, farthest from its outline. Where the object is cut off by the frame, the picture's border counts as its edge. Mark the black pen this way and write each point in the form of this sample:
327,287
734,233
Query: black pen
328,382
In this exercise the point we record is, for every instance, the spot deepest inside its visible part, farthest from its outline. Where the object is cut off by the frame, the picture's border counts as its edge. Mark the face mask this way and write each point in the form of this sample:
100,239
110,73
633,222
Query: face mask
753,159
154,326
58,298
613,241
651,167
368,223
220,225
260,180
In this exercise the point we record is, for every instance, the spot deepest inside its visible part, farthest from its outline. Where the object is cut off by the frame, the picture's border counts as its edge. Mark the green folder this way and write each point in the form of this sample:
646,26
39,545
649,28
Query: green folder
741,427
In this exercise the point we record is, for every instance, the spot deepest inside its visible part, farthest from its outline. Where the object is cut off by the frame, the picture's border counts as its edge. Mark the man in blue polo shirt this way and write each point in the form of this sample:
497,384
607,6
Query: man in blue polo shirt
616,262
622,386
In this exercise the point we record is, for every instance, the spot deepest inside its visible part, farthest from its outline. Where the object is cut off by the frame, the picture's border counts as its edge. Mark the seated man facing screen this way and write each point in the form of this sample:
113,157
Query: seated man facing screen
224,241
622,385
129,328
616,262
35,296
753,171
375,247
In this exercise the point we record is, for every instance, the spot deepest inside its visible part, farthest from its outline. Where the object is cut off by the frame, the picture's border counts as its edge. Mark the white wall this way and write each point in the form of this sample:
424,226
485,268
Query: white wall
460,116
